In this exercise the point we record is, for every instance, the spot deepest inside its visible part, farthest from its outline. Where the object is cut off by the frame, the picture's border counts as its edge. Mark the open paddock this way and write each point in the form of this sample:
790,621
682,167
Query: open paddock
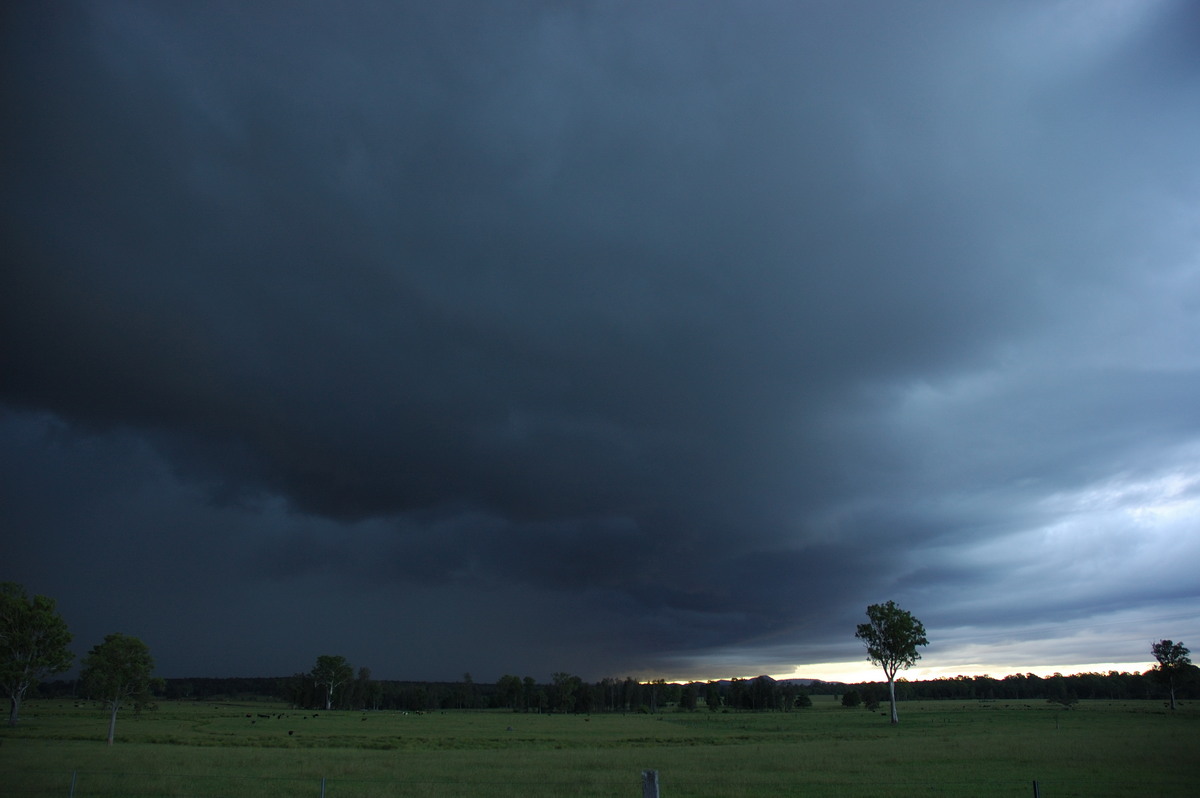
1096,749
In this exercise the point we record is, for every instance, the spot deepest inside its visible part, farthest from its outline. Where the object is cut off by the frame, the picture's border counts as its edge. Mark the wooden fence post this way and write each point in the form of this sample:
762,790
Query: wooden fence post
74,773
1037,793
322,787
650,784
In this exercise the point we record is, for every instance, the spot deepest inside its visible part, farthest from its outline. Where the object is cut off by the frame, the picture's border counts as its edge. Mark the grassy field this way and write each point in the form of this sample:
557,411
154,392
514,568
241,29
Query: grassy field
940,748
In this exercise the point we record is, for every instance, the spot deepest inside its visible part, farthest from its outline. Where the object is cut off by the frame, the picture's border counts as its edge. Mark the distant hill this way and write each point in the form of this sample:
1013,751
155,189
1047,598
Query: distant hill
797,682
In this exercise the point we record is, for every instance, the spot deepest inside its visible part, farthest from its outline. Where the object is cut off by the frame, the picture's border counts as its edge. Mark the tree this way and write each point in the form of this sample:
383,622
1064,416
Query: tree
465,695
892,637
370,691
801,699
564,686
331,672
712,696
1057,691
33,643
870,698
764,693
298,690
508,691
531,697
116,670
1173,662
688,698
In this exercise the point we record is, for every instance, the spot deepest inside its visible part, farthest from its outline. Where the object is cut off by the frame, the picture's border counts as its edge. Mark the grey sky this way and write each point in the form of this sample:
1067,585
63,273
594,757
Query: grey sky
615,338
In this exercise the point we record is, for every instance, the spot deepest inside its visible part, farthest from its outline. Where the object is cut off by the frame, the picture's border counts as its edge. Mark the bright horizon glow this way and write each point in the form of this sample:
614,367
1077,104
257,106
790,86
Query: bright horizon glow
852,672
855,673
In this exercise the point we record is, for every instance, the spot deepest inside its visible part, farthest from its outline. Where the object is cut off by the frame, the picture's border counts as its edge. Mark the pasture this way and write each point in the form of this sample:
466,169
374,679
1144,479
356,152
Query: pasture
982,749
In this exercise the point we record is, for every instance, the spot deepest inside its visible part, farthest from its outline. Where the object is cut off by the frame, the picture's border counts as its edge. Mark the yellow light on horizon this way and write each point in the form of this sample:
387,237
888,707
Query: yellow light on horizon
853,672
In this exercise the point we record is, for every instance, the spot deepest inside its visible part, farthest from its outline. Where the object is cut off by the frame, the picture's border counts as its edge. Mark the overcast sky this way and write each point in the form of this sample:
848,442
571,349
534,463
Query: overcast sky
616,338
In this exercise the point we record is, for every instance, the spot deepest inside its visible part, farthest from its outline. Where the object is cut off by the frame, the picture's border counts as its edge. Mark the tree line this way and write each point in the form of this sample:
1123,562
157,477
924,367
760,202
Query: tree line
571,694
34,642
1112,686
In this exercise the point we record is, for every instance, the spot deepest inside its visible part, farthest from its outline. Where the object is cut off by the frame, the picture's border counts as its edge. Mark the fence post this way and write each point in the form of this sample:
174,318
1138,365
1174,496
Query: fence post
74,773
650,784
1037,793
322,787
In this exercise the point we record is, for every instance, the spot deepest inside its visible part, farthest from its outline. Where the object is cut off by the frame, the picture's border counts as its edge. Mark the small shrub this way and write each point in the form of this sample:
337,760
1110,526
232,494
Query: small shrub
1067,700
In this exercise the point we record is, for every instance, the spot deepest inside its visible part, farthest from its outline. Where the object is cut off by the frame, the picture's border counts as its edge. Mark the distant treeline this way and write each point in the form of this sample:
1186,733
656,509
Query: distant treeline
1112,686
568,693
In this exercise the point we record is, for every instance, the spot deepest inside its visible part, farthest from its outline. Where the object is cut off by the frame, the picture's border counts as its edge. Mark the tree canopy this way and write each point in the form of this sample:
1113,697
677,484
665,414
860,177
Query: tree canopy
892,636
331,672
33,643
118,669
1173,663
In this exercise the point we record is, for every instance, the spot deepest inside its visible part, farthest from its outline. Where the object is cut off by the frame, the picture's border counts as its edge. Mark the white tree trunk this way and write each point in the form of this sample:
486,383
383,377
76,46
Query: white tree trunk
16,696
112,722
892,697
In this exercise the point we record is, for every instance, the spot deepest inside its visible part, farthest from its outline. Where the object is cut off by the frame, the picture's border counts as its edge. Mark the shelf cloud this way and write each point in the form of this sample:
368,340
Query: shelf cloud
613,338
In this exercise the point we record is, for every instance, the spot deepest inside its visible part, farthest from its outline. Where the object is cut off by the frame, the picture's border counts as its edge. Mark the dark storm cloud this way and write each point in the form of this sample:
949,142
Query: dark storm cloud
703,328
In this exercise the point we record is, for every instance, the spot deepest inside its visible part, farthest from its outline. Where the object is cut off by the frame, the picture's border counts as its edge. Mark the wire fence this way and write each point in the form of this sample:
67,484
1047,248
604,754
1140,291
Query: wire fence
647,784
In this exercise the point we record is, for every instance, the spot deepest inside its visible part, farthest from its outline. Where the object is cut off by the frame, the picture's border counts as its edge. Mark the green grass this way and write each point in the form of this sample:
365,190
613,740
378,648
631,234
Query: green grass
940,748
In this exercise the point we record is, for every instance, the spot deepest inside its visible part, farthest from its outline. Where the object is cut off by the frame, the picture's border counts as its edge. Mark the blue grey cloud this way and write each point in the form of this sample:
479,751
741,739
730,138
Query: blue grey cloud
614,337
